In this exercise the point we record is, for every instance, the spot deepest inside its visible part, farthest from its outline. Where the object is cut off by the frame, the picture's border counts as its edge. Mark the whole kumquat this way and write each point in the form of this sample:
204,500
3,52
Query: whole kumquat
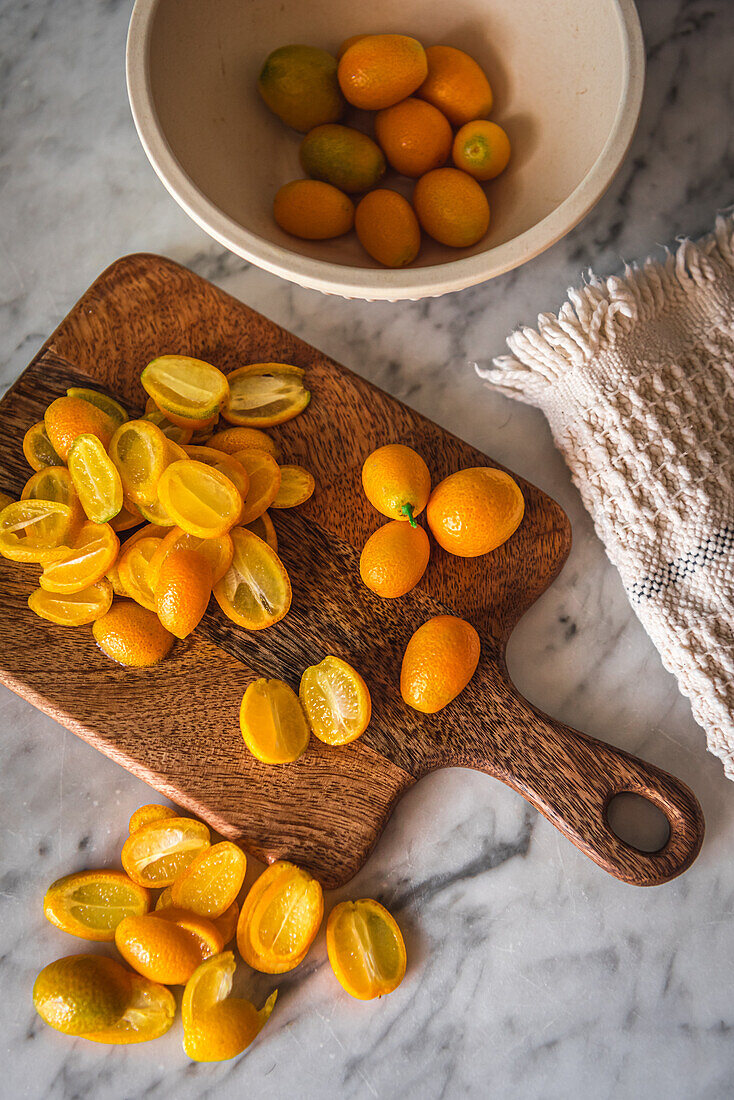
381,69
439,661
396,482
313,210
414,136
474,511
387,228
451,207
456,84
394,559
482,149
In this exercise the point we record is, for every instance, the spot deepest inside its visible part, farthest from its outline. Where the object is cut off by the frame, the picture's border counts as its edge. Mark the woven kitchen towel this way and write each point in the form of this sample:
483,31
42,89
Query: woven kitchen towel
636,377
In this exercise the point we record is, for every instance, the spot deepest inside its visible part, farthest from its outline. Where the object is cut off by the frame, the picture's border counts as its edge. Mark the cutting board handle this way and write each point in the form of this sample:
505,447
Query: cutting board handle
571,778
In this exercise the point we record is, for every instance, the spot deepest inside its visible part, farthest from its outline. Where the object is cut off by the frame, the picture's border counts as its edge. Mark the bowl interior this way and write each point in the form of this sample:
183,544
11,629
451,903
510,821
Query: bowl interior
558,72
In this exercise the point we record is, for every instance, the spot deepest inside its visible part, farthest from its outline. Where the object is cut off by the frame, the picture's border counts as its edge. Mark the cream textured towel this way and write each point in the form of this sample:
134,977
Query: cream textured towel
636,378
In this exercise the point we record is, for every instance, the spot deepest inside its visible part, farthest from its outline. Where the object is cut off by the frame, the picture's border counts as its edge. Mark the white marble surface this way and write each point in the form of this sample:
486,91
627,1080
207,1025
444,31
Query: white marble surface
532,974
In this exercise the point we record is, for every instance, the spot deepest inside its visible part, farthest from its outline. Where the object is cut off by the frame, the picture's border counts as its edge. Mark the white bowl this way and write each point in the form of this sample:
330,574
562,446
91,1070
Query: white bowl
567,77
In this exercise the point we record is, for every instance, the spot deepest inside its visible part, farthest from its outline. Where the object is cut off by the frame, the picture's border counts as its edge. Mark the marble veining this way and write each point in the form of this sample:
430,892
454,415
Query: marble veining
532,974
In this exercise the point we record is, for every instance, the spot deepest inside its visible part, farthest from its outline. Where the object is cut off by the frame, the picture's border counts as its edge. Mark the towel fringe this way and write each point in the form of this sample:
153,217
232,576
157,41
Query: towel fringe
603,310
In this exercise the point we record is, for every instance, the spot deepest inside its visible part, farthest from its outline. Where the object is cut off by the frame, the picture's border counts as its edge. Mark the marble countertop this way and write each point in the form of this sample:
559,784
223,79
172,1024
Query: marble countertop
532,974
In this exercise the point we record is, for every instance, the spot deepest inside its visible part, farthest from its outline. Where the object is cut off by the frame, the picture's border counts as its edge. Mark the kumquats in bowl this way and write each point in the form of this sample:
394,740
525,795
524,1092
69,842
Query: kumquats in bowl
380,152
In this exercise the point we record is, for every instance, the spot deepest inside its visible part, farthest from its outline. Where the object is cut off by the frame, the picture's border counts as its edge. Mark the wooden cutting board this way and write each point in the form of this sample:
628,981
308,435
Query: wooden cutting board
176,725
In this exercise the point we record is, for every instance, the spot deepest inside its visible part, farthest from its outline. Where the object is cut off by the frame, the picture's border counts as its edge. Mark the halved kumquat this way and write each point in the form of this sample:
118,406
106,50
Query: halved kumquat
67,418
103,401
161,950
182,590
264,394
216,1026
200,499
272,722
264,477
38,449
366,948
280,918
189,391
33,530
90,904
149,1014
95,478
336,701
138,450
218,552
133,567
255,592
76,567
74,608
156,854
150,812
211,883
296,486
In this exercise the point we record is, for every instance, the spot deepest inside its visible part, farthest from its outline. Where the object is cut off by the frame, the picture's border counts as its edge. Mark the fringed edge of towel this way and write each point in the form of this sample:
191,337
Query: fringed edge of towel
604,309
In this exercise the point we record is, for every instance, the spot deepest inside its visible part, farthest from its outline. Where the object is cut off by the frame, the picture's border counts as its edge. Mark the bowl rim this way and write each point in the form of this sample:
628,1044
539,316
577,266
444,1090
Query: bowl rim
383,283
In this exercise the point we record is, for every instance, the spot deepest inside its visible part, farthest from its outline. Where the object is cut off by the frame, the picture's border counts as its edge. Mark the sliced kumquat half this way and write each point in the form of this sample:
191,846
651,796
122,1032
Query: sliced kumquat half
157,515
172,431
262,526
133,567
366,948
55,483
67,418
296,486
280,918
164,951
156,854
255,592
33,530
272,722
74,608
126,519
149,1014
226,464
138,450
232,440
182,590
264,394
218,1027
38,449
226,924
211,883
95,478
204,929
132,636
77,567
189,391
151,811
200,499
264,477
336,701
90,904
218,552
103,401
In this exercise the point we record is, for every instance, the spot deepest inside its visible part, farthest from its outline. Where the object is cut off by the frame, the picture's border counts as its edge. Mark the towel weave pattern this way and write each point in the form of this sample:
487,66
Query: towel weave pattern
636,377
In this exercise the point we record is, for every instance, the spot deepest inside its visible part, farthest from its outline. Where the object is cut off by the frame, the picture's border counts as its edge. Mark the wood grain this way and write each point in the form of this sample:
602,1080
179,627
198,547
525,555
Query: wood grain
176,725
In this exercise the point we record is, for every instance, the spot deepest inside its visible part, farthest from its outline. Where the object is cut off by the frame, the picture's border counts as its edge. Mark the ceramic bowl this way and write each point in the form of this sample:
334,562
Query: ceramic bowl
567,77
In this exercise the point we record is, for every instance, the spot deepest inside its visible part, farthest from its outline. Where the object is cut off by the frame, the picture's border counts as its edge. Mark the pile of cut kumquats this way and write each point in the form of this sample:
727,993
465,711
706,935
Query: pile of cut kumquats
180,940
191,501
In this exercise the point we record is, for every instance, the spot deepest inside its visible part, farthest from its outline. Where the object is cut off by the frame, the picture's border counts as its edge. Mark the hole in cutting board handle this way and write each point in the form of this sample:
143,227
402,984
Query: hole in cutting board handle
638,822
